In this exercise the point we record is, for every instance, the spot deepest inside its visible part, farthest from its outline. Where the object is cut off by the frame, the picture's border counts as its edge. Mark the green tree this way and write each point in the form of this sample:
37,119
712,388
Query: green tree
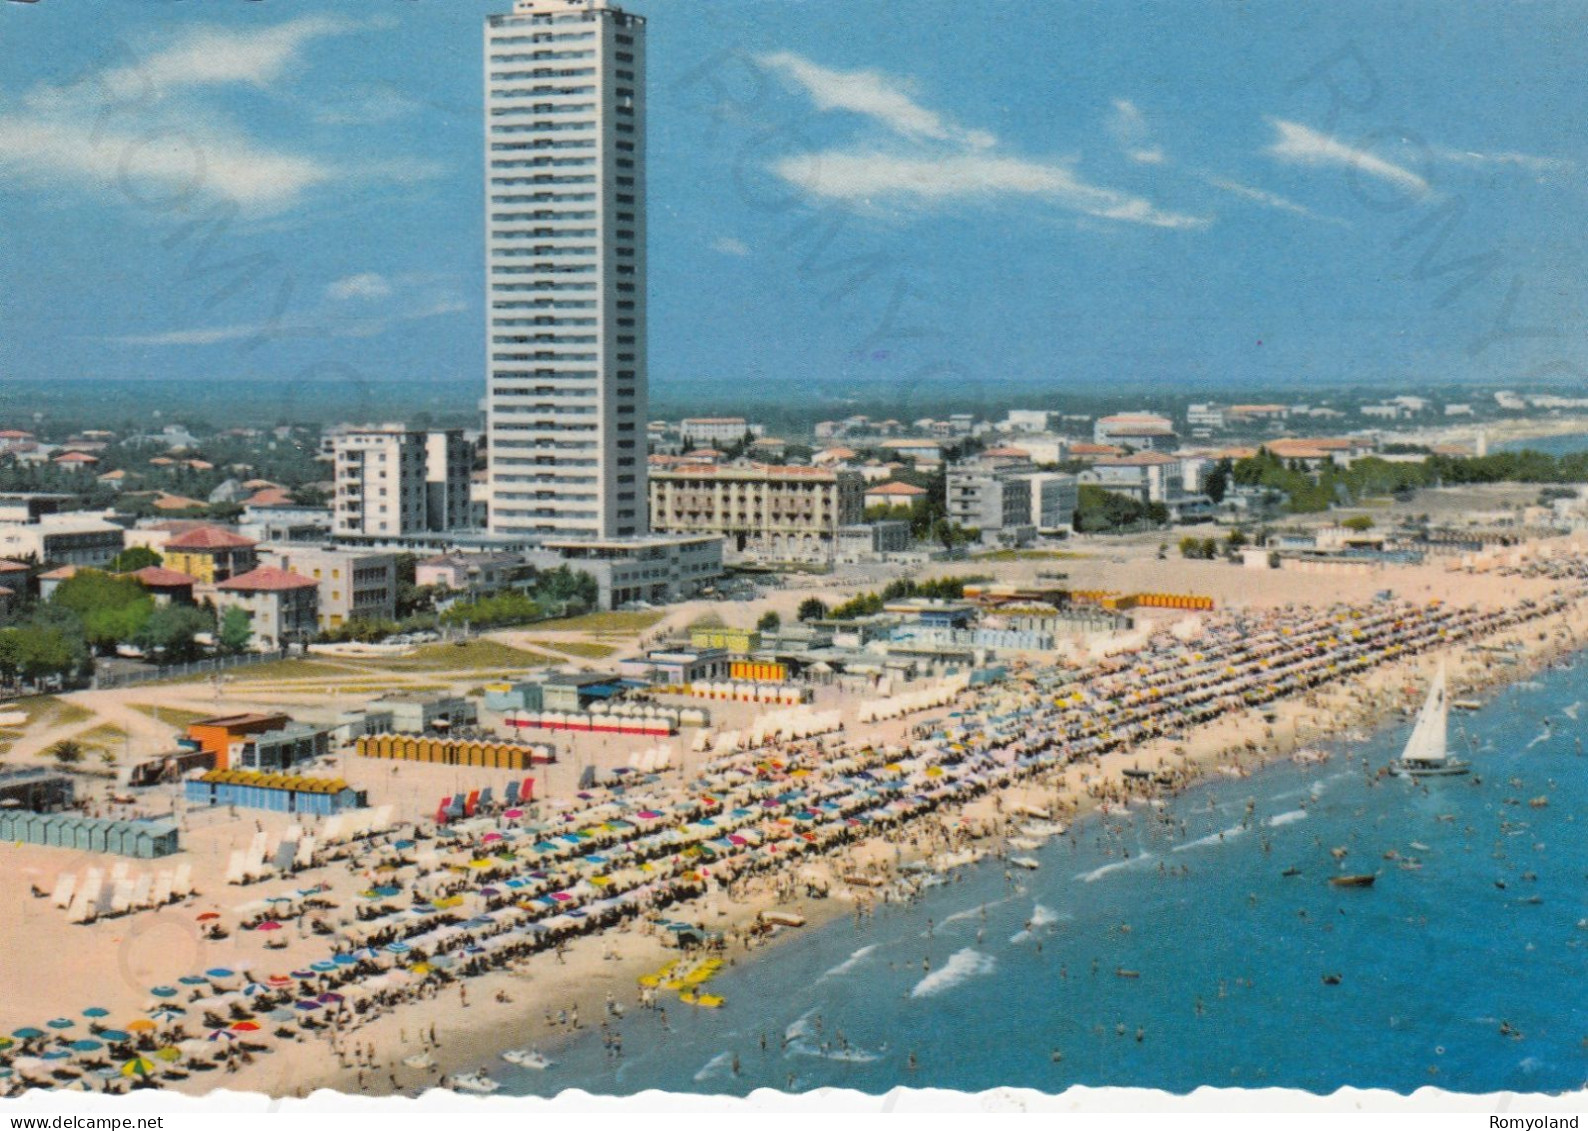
1190,547
172,631
1235,539
1218,481
112,609
1361,523
236,630
134,558
812,608
769,622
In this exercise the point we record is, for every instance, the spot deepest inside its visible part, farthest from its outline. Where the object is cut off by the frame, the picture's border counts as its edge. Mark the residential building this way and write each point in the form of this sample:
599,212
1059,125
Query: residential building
216,736
993,499
471,573
30,506
210,554
354,584
449,467
894,494
717,431
1149,477
655,569
1144,431
63,539
166,586
777,513
566,269
391,480
282,606
1055,497
873,541
1026,420
1204,419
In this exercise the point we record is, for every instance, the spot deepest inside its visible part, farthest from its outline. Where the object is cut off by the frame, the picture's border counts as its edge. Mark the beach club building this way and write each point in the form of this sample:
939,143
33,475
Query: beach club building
278,793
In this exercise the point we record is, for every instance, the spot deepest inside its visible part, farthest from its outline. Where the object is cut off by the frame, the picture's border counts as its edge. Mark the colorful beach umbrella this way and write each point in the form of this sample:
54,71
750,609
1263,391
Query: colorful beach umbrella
60,1023
138,1066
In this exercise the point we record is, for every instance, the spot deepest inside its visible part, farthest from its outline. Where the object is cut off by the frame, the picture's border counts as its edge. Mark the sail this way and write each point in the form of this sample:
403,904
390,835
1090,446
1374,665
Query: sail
1427,743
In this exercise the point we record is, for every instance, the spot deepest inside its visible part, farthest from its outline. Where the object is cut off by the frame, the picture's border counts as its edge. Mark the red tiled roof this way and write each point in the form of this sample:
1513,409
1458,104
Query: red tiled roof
209,538
76,457
64,573
1008,452
9,566
270,497
268,579
158,577
897,488
1095,450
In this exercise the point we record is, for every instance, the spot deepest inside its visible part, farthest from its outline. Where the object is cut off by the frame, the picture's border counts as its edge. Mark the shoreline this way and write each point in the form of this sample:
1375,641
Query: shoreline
1243,741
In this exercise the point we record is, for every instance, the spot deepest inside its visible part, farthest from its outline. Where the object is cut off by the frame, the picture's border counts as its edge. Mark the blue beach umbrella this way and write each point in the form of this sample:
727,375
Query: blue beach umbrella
344,960
220,972
193,980
86,1045
322,967
55,1054
164,991
60,1023
114,1036
96,1011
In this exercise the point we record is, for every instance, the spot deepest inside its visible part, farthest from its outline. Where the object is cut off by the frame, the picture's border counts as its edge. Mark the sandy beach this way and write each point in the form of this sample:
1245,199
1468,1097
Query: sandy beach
50,967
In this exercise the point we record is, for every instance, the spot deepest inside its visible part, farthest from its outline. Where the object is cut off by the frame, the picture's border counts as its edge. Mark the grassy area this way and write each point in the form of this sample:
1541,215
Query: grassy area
630,623
1029,556
104,736
708,620
587,650
471,655
272,671
170,716
50,711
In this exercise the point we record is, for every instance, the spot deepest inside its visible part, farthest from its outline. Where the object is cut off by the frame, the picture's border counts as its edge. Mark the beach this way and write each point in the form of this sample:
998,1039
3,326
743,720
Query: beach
510,1007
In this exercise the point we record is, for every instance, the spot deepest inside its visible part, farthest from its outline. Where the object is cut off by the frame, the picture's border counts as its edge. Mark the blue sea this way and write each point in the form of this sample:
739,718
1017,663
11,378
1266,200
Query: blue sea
1549,445
1434,962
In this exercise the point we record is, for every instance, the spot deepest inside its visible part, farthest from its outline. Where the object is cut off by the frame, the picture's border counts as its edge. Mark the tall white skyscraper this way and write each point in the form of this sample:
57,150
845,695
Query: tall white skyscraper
565,251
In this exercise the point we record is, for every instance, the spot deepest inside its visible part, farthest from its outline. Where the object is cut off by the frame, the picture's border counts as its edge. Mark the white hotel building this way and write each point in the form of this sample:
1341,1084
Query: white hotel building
565,250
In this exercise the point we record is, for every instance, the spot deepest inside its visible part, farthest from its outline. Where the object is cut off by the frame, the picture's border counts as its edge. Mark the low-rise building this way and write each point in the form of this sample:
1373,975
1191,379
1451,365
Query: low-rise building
718,430
274,792
1055,497
894,494
1144,431
210,554
282,606
166,586
776,513
354,584
873,541
63,539
420,714
654,568
469,573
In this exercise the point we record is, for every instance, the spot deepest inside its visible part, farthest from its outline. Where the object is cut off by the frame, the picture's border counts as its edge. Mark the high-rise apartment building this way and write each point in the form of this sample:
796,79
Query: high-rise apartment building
565,270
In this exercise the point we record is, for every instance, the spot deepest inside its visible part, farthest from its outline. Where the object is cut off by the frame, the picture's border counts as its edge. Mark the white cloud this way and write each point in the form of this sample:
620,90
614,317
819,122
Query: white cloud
368,107
1527,161
877,96
141,130
207,336
1265,198
208,56
366,286
730,246
872,177
1301,145
158,166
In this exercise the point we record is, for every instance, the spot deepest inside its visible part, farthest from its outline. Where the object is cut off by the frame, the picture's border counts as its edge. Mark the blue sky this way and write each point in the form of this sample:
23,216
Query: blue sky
876,194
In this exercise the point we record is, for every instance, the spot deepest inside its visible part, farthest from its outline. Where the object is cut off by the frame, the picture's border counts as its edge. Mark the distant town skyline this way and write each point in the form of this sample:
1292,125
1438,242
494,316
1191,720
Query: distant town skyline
1191,195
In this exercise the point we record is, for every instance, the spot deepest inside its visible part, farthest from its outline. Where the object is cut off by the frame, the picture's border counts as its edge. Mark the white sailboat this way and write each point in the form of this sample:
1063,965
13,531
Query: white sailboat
1427,750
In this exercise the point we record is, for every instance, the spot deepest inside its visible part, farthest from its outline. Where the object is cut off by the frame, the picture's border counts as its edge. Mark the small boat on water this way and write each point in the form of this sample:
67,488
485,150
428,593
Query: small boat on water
1466,705
1362,881
1121,972
1331,979
527,1058
1025,843
1025,862
474,1083
783,918
1427,750
1291,872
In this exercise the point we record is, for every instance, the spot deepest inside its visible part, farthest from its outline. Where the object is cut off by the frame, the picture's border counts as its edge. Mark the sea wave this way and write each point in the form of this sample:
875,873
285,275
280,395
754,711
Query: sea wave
1286,818
1041,917
800,1025
1212,838
1542,736
849,963
1098,873
850,1055
719,1065
1571,710
962,966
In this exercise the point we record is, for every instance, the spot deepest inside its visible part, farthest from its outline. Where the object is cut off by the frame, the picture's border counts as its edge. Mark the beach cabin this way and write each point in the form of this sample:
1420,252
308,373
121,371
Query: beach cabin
145,840
277,793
